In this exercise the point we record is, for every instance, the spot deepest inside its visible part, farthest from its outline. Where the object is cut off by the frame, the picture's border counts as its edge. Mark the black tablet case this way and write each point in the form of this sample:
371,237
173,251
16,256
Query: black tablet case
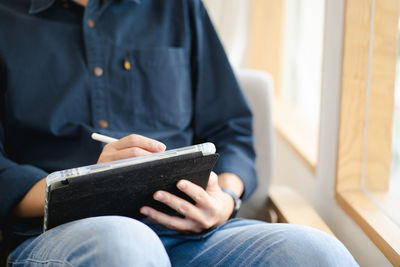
125,190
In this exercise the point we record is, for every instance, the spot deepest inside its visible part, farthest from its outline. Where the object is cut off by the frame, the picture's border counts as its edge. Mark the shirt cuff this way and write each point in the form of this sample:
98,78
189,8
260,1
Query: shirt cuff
16,182
240,165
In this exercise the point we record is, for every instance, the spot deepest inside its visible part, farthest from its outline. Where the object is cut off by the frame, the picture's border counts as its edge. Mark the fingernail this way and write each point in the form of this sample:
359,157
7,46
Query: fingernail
182,185
213,180
161,146
144,211
159,196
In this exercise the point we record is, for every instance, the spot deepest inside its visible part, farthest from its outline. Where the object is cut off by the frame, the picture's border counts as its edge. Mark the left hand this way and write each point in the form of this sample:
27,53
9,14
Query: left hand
212,207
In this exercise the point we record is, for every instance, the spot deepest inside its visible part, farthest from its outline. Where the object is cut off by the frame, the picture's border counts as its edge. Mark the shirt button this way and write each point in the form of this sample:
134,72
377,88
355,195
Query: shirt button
103,123
91,23
127,64
98,71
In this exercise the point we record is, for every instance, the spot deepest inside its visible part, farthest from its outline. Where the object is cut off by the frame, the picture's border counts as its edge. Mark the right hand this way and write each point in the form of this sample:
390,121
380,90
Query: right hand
133,145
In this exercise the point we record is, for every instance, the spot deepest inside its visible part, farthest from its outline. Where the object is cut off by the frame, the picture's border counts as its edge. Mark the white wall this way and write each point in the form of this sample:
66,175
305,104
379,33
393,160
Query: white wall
319,189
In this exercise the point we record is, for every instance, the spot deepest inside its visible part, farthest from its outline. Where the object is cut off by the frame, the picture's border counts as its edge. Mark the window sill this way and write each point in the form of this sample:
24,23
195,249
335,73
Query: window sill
374,222
292,208
300,134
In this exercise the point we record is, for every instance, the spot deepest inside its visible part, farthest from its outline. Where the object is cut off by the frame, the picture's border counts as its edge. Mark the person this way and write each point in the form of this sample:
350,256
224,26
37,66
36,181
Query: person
153,74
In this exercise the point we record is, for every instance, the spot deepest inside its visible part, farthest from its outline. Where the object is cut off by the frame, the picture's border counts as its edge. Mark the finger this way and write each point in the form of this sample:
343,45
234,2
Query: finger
135,140
195,192
172,222
180,205
129,153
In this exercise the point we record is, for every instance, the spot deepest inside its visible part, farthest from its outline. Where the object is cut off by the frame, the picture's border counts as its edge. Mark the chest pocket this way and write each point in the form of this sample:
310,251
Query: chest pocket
161,88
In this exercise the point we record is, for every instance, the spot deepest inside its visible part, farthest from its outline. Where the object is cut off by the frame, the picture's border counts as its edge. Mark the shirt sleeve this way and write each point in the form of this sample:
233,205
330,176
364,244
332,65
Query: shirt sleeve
221,113
15,179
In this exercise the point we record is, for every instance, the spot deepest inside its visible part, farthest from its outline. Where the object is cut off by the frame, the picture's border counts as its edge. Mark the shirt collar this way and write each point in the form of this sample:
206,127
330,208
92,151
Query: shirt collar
38,6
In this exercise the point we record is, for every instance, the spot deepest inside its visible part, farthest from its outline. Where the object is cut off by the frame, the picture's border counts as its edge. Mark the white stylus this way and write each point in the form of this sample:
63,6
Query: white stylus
103,138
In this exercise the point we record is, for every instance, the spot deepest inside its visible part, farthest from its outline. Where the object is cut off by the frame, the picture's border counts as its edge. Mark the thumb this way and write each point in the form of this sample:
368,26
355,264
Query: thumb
212,185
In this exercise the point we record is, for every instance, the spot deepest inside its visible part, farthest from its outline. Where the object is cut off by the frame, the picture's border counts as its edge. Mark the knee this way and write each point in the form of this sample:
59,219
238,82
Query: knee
304,246
117,241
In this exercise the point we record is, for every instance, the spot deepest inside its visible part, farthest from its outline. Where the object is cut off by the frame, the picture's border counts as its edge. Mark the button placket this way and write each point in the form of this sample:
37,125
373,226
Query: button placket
95,63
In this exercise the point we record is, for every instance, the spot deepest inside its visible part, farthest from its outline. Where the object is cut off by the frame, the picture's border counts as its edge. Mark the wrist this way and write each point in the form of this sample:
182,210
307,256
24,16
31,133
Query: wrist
232,182
237,202
32,204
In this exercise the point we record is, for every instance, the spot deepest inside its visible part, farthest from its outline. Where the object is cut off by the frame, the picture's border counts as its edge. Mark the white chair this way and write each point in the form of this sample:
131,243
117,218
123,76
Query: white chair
258,90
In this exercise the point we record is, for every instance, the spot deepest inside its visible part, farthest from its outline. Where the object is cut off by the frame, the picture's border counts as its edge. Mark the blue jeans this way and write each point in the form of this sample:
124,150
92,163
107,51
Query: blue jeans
121,241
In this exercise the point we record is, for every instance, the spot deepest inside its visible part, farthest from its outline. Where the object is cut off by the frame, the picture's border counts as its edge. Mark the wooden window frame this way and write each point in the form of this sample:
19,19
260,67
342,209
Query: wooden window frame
364,149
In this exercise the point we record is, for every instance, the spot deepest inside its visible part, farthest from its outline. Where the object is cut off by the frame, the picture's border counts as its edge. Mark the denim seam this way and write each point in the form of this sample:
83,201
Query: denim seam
40,261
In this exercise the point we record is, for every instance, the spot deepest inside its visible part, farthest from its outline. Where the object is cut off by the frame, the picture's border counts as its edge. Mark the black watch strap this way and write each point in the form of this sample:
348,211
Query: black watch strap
236,199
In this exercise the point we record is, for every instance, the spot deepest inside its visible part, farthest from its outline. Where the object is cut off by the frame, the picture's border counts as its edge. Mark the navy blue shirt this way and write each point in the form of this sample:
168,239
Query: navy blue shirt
150,67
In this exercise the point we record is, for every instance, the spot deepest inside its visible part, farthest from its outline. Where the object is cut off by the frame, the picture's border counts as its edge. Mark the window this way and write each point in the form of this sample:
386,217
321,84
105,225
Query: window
288,40
365,136
394,186
387,202
391,209
302,57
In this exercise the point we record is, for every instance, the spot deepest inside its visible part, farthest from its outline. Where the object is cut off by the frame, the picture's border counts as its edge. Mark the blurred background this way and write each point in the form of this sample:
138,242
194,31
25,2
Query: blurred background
336,108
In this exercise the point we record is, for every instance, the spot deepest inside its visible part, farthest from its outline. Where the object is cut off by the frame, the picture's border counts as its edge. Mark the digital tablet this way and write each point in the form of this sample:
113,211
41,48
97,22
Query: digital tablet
122,187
